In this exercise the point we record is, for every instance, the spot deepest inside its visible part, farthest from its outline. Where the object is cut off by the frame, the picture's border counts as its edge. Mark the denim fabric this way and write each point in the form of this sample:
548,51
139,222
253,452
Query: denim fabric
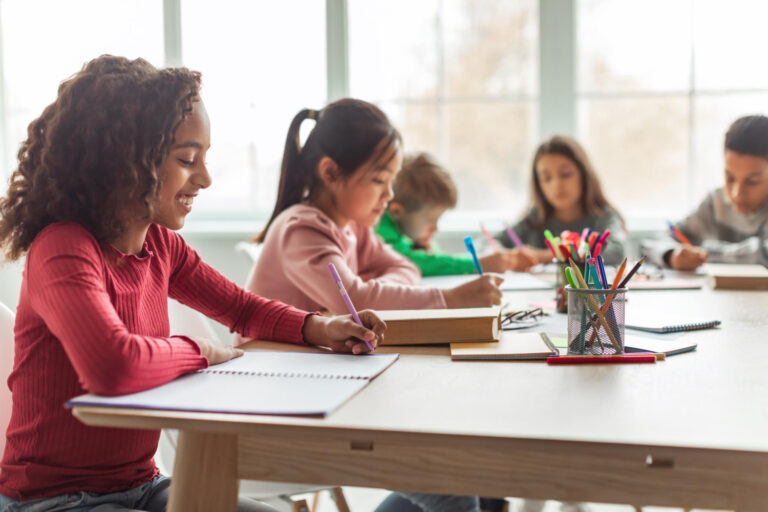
149,497
412,501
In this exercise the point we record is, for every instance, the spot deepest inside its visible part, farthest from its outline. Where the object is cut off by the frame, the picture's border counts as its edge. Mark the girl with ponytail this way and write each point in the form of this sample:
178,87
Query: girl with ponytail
332,190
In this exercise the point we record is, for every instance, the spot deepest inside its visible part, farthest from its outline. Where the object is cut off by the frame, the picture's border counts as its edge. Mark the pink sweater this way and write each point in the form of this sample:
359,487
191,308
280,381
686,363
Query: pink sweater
293,266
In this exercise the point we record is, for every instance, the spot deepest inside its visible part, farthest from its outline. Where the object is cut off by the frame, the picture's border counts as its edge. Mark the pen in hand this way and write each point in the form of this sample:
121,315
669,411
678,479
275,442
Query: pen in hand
347,300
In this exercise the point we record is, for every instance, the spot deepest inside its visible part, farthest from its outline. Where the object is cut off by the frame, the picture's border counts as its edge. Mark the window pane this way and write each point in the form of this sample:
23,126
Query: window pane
489,150
34,65
261,64
730,44
393,49
713,116
639,148
418,124
490,47
626,45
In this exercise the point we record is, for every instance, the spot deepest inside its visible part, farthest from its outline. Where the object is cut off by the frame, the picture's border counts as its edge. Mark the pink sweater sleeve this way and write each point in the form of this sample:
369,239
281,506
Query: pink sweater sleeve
310,250
381,260
66,284
198,285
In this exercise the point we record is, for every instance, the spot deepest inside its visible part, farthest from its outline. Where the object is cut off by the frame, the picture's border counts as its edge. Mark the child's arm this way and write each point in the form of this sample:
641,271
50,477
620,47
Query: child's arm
310,250
380,260
198,285
65,281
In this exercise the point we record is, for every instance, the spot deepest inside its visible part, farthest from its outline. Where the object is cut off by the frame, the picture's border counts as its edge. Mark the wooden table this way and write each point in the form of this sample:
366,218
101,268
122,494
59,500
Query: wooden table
691,431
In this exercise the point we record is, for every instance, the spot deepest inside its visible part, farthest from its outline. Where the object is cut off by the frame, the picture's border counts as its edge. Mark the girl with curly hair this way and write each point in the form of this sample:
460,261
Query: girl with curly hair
106,174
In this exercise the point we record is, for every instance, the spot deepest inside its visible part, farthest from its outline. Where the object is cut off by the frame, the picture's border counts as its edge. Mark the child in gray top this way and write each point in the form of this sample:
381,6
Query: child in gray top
566,195
731,224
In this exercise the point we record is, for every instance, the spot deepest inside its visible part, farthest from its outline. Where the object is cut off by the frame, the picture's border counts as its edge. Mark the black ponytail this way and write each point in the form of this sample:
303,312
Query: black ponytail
351,132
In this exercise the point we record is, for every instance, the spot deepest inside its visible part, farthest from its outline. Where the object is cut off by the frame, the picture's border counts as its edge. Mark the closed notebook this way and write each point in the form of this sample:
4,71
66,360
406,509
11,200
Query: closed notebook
669,347
274,383
512,345
663,324
432,326
727,276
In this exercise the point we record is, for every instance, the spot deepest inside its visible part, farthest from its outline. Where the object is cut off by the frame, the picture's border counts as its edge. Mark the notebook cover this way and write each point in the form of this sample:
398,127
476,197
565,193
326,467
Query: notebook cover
512,345
440,326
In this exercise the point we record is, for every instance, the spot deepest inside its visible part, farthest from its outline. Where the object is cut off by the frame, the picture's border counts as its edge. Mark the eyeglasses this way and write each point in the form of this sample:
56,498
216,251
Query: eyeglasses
522,319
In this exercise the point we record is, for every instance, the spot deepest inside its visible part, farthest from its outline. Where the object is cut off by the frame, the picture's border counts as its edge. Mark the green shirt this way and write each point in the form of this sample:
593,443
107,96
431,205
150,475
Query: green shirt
430,263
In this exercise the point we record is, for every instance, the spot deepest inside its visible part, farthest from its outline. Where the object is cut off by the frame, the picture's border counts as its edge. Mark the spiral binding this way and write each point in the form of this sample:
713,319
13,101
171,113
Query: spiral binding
291,375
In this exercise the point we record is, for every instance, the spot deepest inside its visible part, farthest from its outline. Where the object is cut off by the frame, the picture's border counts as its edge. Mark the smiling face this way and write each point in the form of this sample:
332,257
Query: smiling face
363,196
746,181
560,180
184,172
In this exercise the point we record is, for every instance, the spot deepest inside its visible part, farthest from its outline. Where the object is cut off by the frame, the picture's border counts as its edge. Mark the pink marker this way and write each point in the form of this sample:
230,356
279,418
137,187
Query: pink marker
513,236
490,239
347,300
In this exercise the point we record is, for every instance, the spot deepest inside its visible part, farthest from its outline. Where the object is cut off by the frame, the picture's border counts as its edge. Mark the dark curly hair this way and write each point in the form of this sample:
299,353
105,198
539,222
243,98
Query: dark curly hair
94,153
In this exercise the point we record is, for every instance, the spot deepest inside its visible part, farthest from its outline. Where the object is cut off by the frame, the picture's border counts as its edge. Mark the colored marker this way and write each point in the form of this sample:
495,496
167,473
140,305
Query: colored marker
337,279
490,239
513,236
613,359
473,253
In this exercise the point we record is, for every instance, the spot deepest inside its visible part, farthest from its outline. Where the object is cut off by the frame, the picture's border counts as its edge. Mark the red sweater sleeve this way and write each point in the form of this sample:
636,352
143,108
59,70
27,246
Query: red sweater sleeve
65,274
198,285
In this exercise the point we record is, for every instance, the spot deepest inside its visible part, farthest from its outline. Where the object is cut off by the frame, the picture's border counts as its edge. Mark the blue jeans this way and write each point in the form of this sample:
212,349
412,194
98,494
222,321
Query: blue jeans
149,497
415,502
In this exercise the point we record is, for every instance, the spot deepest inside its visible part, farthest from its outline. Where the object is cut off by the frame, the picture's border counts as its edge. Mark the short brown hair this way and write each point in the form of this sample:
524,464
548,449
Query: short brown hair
422,181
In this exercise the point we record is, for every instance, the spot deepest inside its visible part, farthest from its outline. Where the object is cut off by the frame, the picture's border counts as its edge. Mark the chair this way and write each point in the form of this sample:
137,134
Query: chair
6,365
185,320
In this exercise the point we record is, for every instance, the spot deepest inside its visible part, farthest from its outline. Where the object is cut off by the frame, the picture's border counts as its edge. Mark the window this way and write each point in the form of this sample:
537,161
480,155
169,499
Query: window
657,92
46,41
460,80
261,64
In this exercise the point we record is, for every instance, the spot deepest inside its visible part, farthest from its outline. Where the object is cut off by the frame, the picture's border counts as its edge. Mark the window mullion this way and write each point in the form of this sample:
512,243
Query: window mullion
337,48
557,67
172,32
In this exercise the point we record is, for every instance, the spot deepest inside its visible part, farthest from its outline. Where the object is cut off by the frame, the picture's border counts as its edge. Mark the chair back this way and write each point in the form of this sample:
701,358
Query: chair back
6,365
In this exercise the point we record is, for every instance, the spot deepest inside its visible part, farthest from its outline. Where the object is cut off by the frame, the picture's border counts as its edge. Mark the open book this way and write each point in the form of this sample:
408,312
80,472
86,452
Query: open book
277,383
430,326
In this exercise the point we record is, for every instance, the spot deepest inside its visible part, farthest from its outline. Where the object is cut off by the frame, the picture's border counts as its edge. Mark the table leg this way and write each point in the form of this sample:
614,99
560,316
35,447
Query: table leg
205,473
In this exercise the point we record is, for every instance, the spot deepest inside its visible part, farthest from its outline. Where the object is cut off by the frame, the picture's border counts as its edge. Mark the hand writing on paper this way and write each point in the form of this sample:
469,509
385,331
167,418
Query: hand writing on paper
509,259
687,257
342,334
479,293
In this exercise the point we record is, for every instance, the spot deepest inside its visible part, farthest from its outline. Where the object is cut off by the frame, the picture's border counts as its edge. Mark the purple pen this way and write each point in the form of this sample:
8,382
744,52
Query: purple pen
513,236
347,300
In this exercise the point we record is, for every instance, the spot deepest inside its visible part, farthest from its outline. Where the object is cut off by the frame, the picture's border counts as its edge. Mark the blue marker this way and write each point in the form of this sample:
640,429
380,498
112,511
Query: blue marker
473,253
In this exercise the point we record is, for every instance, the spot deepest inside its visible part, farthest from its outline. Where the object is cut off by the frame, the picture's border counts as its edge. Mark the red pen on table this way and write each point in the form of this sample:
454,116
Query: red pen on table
614,359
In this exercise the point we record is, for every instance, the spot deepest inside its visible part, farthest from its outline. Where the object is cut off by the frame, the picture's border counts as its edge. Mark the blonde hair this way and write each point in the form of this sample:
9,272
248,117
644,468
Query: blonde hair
422,181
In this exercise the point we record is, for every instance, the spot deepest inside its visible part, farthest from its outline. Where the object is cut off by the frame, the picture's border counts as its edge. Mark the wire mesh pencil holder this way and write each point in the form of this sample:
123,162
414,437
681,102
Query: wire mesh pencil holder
596,321
561,300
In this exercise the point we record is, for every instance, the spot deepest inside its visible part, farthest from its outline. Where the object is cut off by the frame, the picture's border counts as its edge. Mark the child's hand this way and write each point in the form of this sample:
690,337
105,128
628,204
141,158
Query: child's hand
479,293
687,257
509,259
215,352
342,334
542,255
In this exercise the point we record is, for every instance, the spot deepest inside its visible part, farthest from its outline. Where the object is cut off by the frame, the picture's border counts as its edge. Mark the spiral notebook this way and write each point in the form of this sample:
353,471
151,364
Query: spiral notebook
661,326
271,383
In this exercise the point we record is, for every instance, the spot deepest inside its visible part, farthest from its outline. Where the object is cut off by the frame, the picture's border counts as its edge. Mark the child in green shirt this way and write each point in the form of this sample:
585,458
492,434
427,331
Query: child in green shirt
423,192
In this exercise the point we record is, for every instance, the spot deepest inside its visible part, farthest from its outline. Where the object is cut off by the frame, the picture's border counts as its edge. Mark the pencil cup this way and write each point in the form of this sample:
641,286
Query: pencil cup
561,301
595,321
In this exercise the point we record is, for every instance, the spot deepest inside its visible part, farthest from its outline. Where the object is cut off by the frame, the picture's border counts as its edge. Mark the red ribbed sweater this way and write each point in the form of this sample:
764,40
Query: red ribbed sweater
93,321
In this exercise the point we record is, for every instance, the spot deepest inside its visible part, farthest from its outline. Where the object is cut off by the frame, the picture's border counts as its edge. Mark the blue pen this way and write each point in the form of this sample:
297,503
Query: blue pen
473,253
601,267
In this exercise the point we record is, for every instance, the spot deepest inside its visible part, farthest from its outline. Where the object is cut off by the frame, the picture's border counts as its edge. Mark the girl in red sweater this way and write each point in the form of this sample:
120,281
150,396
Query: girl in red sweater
108,172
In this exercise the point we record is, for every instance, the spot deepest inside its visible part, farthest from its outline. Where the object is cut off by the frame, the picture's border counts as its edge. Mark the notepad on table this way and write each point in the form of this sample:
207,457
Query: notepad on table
512,345
431,326
728,276
513,281
271,383
669,347
662,324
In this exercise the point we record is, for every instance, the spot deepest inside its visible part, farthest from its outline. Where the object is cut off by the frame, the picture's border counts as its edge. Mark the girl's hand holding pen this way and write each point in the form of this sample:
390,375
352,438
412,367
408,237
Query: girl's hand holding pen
478,293
342,334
